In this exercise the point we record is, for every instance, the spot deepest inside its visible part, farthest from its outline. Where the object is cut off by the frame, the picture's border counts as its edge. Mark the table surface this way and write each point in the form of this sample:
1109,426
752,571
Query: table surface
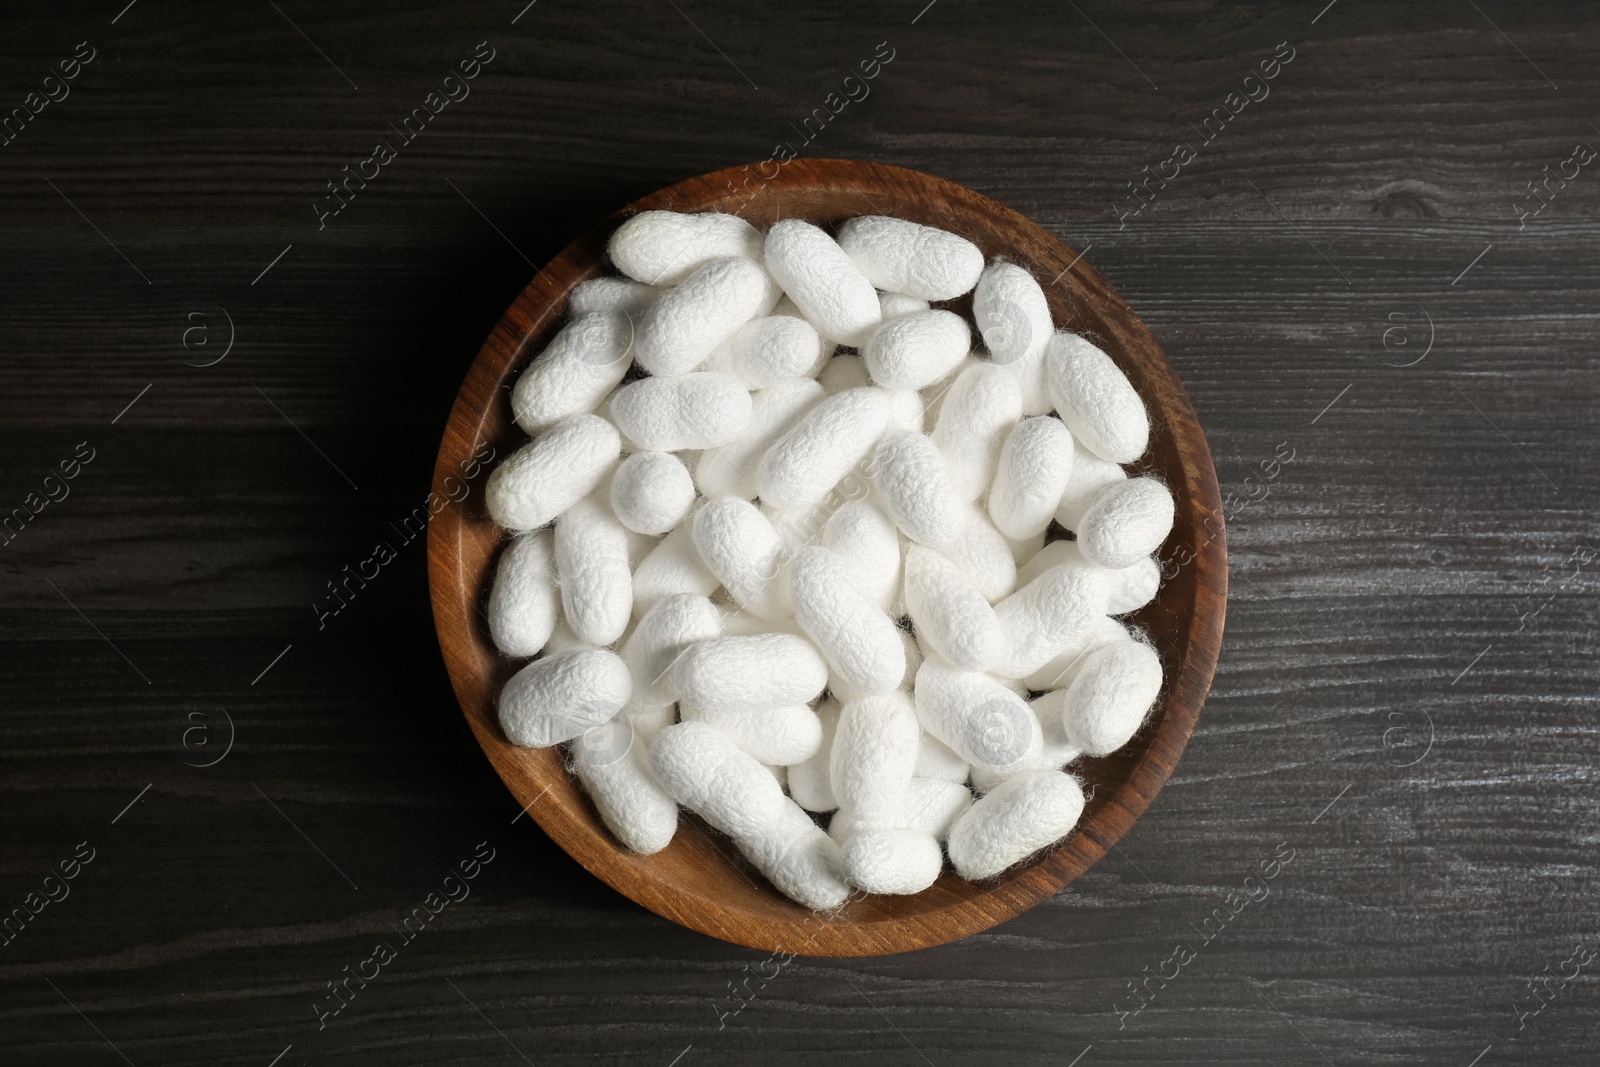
1378,281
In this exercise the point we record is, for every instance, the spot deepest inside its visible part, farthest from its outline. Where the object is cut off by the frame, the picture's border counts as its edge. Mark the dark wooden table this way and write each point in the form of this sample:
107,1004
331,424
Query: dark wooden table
1407,697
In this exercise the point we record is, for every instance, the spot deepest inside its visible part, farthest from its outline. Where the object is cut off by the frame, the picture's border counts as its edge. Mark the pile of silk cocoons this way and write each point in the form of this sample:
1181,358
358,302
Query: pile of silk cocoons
779,551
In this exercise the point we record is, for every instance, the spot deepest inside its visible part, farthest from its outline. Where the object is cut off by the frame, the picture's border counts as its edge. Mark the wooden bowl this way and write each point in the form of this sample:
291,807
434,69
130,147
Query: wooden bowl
700,880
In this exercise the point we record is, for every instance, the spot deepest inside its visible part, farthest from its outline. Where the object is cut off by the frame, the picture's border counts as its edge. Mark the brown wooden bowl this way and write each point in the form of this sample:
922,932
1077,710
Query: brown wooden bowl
700,880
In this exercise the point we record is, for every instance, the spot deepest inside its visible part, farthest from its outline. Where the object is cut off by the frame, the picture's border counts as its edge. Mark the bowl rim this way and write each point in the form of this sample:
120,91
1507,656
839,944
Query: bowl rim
970,907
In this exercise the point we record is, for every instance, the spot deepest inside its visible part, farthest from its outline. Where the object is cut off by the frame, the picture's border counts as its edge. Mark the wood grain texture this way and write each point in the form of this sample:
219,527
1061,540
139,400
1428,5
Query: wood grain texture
700,880
1401,543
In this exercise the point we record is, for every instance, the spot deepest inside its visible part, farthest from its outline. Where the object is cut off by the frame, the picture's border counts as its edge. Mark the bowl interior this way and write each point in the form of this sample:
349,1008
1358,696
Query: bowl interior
700,880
